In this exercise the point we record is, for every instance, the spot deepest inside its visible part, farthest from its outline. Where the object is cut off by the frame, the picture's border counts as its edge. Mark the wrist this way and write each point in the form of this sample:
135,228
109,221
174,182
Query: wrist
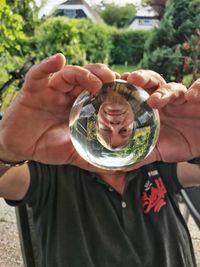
6,165
9,158
3,169
10,164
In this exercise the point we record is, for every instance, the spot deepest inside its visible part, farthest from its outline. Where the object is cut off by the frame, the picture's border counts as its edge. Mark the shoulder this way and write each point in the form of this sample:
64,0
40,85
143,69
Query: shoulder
167,172
50,172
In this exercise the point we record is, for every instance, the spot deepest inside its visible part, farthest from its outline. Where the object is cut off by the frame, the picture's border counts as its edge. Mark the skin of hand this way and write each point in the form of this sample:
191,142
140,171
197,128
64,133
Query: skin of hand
180,122
35,126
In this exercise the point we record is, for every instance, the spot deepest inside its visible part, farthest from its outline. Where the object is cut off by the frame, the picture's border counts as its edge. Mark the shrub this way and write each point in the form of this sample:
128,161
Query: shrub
59,34
128,46
80,40
166,61
95,40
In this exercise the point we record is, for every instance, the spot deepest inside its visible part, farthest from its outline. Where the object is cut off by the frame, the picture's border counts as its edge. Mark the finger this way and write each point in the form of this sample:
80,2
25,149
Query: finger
38,75
168,94
117,75
147,79
102,72
125,75
193,93
75,79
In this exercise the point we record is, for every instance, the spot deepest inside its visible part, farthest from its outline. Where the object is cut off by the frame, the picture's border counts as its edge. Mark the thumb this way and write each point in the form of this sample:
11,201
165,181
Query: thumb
38,75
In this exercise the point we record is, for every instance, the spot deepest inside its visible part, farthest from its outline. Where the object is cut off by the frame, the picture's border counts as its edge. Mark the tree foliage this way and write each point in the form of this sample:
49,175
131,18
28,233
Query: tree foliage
29,11
10,28
158,5
115,15
179,27
128,46
80,40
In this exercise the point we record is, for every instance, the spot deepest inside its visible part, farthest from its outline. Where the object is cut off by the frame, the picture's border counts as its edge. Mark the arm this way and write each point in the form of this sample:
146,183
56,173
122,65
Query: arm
35,125
14,183
188,174
180,127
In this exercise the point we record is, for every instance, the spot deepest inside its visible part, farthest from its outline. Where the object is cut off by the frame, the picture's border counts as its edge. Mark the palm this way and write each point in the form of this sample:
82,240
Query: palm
43,130
179,115
179,132
35,126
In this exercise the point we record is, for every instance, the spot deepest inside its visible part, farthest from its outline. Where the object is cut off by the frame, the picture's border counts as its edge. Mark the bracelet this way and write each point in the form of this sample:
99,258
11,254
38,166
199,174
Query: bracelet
194,161
12,164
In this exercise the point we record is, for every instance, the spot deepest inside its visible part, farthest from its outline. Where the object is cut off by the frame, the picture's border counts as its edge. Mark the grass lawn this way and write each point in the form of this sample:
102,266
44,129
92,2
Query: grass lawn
123,68
187,79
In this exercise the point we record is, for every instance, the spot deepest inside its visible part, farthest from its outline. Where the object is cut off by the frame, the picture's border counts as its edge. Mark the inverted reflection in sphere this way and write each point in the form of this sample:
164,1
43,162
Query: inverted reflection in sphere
115,128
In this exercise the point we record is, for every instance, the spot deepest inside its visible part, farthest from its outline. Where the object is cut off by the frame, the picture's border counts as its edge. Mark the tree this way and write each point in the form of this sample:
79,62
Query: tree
116,15
158,5
178,27
10,28
29,11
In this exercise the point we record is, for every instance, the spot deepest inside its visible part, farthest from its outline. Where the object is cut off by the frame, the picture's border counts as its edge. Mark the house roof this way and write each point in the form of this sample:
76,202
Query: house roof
145,18
74,2
82,2
144,12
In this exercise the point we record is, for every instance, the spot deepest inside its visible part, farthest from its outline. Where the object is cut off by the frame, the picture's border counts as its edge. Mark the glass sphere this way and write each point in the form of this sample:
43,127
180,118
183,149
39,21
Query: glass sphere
115,128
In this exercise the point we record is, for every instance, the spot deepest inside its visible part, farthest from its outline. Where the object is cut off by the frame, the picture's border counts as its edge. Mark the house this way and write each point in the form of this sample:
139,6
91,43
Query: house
77,9
146,18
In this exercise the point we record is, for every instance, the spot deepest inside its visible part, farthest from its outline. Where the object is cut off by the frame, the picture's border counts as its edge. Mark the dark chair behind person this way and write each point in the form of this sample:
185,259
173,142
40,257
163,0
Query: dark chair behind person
28,238
191,197
27,235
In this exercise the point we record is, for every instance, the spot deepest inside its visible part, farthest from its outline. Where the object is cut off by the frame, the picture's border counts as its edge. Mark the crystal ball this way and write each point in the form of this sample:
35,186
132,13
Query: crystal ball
115,128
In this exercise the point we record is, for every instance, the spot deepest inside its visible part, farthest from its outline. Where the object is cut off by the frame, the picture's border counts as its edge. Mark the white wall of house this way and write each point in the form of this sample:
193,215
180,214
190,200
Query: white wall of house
145,18
144,23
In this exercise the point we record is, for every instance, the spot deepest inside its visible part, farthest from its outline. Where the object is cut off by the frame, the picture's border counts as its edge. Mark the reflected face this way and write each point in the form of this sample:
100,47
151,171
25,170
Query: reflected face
115,121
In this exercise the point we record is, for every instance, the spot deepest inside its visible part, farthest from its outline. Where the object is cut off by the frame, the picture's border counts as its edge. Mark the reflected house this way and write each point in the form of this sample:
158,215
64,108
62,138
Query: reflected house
146,18
77,9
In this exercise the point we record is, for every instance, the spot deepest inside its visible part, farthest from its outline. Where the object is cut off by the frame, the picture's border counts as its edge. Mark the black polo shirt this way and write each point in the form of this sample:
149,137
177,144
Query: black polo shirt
83,222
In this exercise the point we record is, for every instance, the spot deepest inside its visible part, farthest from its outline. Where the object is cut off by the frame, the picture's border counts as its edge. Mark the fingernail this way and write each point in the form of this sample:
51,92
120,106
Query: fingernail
158,95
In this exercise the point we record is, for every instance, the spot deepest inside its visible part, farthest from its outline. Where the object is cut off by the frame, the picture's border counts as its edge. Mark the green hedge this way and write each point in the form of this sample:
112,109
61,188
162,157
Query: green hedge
58,34
95,40
128,46
82,41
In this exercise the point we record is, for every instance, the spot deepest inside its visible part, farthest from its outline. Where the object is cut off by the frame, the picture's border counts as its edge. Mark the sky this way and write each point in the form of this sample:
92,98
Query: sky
52,3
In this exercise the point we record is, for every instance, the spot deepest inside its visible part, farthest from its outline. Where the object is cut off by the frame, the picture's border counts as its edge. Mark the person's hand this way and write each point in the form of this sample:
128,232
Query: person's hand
179,115
35,126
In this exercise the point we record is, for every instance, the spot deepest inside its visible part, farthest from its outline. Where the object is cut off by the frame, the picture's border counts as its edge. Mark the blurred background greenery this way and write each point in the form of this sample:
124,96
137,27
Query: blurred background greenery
173,49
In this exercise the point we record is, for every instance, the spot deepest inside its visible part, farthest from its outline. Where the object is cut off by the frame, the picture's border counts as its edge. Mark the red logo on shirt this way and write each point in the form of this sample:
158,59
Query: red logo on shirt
155,199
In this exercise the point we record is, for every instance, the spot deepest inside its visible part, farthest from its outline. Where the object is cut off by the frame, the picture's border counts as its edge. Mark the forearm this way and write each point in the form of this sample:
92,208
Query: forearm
3,170
14,182
6,165
188,174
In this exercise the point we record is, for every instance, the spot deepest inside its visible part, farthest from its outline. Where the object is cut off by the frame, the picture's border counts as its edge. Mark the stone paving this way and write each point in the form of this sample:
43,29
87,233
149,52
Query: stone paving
10,253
